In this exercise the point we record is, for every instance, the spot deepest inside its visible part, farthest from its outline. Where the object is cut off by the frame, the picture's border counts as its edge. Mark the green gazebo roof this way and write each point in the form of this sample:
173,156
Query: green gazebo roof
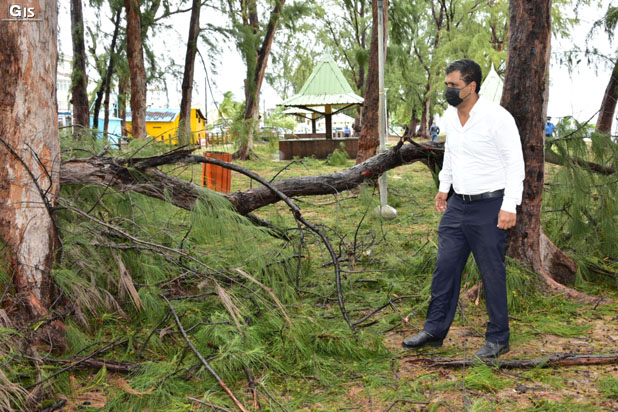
325,86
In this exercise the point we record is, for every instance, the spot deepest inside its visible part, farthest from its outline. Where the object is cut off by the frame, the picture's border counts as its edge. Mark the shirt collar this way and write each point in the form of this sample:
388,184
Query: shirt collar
477,106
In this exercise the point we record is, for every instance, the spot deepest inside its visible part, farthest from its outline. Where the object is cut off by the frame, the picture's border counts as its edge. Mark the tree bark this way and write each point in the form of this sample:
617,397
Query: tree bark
79,79
608,106
135,56
184,124
369,140
525,97
29,156
255,73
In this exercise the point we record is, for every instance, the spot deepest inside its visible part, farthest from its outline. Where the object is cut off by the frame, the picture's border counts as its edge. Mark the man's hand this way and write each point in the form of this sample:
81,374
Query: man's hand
506,220
441,201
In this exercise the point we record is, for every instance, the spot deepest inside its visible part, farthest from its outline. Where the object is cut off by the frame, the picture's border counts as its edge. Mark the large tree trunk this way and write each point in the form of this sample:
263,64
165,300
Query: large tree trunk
184,124
608,106
79,80
29,157
135,56
369,140
525,97
256,71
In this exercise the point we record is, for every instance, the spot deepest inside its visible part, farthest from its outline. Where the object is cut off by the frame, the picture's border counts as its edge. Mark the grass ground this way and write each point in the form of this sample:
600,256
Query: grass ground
388,266
322,365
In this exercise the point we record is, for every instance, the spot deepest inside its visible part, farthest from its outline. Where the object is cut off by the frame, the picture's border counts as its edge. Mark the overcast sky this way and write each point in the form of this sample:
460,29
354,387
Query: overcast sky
578,93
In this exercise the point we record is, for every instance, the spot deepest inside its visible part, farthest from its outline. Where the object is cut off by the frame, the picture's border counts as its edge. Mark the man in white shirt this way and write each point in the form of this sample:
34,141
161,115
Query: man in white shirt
483,163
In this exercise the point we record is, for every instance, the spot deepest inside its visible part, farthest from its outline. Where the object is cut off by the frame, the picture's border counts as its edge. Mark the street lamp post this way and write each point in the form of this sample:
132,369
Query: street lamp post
384,209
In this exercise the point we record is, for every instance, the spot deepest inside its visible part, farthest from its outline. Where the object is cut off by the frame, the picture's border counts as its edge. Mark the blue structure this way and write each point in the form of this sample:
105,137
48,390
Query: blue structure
114,129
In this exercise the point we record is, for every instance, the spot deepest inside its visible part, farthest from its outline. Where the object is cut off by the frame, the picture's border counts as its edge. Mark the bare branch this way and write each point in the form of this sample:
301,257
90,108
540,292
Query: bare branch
203,360
567,359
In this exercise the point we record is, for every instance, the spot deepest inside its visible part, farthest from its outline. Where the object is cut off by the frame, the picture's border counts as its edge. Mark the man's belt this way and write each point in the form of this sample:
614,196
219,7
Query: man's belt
480,196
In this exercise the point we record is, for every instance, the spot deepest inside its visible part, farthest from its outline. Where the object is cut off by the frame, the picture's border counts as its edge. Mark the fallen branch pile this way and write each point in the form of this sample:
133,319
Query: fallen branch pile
142,176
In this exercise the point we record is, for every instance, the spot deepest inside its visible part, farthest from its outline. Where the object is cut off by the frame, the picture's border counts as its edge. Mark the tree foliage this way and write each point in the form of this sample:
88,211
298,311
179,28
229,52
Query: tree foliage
582,214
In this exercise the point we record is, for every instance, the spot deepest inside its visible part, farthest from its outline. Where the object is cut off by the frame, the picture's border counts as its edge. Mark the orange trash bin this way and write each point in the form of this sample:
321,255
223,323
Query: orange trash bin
216,177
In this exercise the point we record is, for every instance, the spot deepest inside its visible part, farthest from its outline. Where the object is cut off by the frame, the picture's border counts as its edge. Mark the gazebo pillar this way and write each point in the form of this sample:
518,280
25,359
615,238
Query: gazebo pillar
313,119
329,121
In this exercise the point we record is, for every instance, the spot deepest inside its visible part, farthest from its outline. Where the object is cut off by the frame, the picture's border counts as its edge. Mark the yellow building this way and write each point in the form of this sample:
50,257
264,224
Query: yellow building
162,125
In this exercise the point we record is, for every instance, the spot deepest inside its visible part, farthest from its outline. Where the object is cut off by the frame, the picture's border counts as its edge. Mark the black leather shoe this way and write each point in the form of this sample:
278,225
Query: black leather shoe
492,350
420,340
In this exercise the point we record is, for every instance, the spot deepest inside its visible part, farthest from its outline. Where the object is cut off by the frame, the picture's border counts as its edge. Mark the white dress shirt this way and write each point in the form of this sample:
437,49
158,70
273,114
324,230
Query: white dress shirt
483,155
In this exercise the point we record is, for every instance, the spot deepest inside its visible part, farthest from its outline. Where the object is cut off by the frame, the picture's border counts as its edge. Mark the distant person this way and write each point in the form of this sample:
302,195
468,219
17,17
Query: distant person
549,127
434,131
346,131
549,132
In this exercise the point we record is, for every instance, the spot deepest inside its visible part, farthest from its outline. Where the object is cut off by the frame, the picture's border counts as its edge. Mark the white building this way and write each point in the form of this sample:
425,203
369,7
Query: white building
63,90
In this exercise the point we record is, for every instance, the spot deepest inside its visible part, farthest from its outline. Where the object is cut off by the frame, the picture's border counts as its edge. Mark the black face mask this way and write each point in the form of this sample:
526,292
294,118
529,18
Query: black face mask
452,96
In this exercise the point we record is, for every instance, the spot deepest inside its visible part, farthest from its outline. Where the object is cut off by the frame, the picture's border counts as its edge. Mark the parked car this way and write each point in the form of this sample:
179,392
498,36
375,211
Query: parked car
220,128
267,131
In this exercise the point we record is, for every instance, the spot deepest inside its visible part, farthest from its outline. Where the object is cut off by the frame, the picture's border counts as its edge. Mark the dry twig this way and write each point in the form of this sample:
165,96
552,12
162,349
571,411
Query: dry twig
555,360
203,360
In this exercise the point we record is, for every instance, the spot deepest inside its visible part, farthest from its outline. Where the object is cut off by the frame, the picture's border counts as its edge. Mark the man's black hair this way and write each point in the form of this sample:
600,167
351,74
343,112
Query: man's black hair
469,69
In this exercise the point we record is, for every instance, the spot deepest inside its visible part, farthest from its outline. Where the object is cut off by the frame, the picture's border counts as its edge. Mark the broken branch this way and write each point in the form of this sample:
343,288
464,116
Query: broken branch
203,360
556,360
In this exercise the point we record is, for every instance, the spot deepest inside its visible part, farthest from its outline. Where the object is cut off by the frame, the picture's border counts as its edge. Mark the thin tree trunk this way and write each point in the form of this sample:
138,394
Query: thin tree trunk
525,97
97,104
110,71
412,126
184,124
423,131
79,79
123,85
103,90
29,157
608,106
368,140
135,57
255,75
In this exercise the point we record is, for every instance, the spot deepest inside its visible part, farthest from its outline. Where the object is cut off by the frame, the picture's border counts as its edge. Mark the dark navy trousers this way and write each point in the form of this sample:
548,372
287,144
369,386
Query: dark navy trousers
469,227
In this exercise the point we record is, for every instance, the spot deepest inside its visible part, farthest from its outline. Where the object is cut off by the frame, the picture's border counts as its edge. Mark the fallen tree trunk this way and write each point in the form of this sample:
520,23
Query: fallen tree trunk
557,360
142,176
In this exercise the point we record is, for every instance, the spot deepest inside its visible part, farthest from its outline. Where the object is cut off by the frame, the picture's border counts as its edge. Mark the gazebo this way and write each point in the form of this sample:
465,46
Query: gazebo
325,93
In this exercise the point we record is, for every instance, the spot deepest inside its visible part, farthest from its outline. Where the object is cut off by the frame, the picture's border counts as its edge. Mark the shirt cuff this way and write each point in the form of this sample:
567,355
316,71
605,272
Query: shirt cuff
444,187
509,205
